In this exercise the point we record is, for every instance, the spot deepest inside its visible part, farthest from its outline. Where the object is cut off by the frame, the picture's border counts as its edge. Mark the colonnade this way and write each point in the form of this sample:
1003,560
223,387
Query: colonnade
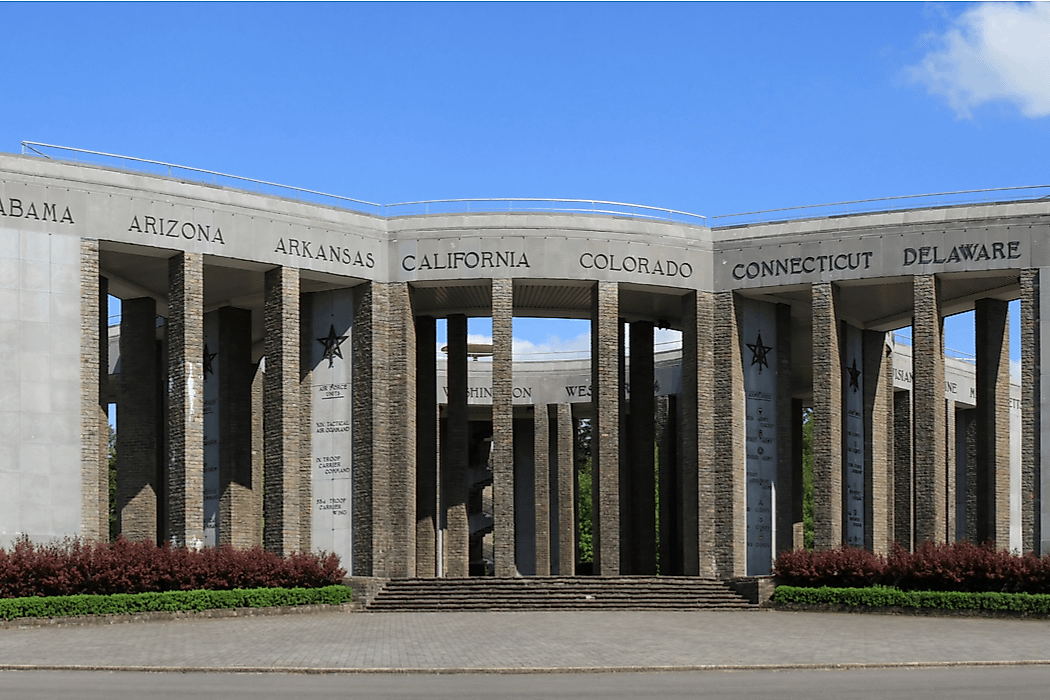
729,441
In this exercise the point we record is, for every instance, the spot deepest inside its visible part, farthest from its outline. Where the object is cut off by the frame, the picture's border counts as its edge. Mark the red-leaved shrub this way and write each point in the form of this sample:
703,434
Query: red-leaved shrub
932,567
71,567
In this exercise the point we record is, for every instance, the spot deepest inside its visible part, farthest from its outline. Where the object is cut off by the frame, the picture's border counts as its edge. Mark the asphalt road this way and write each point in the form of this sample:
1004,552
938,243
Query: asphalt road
1015,682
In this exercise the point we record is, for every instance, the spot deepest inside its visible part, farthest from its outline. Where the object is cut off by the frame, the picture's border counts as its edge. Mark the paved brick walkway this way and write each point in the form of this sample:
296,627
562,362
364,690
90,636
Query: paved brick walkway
535,640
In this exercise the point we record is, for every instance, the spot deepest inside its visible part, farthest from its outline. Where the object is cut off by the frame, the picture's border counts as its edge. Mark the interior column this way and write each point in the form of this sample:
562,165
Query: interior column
641,478
138,448
992,339
454,471
426,446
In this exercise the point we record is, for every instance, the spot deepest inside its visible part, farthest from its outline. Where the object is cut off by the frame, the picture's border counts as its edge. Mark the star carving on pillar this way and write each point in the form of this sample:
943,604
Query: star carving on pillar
759,353
854,376
208,357
331,346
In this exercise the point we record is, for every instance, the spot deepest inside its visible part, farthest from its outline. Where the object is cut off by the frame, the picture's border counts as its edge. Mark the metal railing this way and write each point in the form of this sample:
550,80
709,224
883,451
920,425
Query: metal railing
543,204
185,172
434,206
885,204
540,204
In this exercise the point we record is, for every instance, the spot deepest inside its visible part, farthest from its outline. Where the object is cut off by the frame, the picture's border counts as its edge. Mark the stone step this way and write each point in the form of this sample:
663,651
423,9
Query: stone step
556,593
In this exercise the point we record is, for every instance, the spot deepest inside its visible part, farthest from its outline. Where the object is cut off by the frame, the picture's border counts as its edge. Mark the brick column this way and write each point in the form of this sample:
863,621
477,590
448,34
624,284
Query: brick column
239,519
138,449
186,398
426,446
103,407
878,443
726,478
541,491
92,527
992,339
928,412
966,522
827,419
564,449
903,475
641,436
699,464
670,485
306,427
605,432
281,411
367,339
454,486
1031,420
950,418
503,428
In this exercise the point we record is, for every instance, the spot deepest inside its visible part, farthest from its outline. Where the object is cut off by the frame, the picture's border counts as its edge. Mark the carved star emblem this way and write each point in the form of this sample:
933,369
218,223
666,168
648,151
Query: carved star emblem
208,357
331,346
854,375
759,353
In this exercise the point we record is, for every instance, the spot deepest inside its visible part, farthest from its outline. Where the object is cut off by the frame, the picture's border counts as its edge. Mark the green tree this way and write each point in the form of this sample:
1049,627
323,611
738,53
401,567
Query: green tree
583,494
807,479
112,484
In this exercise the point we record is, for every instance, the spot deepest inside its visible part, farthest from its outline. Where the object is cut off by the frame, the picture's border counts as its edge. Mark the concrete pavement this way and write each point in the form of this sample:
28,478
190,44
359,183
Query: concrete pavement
529,641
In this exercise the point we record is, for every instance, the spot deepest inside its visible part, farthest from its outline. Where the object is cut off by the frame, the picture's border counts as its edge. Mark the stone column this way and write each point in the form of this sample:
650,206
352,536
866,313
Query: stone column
399,370
384,500
541,490
605,441
798,534
726,478
186,398
700,465
239,518
783,527
827,419
878,443
903,476
503,428
137,431
92,526
282,424
426,446
258,449
454,486
565,450
640,488
992,339
928,412
1031,419
670,485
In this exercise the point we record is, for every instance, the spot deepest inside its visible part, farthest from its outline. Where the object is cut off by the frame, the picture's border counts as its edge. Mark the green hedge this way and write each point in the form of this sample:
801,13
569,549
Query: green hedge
169,601
879,597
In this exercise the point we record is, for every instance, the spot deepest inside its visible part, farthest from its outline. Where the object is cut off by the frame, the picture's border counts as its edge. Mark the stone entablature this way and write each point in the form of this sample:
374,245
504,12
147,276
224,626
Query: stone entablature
156,212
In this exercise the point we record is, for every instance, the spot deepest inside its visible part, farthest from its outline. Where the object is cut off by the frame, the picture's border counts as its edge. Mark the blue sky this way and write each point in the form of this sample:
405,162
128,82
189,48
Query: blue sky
707,108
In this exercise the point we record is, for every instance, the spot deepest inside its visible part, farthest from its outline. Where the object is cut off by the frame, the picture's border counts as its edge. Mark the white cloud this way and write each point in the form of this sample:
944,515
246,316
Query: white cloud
995,51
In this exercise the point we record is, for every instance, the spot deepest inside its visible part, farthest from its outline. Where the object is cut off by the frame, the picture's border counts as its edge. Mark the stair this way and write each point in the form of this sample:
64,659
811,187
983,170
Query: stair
555,593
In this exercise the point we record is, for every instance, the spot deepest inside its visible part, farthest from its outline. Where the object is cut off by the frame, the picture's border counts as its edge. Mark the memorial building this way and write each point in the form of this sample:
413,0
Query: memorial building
278,381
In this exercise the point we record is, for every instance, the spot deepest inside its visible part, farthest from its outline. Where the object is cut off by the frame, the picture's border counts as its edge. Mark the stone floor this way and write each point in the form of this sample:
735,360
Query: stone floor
435,642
